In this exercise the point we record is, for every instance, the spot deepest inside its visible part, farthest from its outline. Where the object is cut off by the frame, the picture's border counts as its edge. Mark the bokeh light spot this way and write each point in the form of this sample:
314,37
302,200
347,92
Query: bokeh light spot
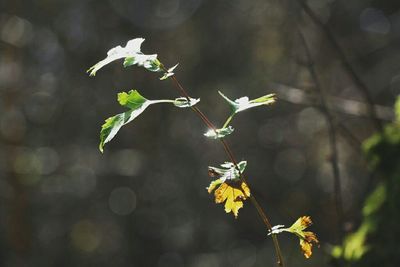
127,162
85,236
310,121
122,201
16,31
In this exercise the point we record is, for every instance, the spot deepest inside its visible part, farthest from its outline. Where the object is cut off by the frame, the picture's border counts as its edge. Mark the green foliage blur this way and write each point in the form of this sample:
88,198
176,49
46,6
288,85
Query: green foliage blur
376,241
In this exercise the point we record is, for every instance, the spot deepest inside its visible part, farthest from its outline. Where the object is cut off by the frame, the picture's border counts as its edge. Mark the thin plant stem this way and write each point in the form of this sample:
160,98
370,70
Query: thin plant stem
228,120
231,156
331,132
161,101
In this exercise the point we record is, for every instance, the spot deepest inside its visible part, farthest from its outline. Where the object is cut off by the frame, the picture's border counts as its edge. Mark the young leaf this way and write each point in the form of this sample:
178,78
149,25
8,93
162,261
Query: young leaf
182,102
169,73
244,103
306,238
219,133
132,100
231,189
232,104
132,55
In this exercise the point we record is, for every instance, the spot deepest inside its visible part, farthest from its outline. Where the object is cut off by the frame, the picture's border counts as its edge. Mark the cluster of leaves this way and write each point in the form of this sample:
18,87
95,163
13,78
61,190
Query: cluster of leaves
375,242
229,186
231,190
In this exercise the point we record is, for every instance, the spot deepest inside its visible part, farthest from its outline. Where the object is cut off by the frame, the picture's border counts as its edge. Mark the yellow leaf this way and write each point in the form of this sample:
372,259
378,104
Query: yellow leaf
214,184
232,193
306,238
306,248
301,223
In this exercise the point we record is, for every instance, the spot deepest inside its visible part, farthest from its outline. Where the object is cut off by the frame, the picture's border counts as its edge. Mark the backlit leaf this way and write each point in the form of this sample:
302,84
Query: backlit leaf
244,103
307,239
132,55
112,125
136,104
229,188
233,194
133,99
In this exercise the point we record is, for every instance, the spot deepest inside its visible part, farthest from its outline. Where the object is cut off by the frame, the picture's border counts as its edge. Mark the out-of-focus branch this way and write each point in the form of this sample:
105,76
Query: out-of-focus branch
345,62
323,107
338,104
300,97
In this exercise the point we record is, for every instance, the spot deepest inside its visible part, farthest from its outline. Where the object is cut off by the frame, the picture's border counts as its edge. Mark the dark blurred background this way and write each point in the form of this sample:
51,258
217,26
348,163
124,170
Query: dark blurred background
143,202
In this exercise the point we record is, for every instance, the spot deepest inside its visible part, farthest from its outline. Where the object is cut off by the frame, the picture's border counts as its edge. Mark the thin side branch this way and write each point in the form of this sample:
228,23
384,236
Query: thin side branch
345,62
323,107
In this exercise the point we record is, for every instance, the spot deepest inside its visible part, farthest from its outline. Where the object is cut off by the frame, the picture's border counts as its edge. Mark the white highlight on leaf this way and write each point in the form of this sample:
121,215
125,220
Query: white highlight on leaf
219,133
169,73
182,102
131,50
229,171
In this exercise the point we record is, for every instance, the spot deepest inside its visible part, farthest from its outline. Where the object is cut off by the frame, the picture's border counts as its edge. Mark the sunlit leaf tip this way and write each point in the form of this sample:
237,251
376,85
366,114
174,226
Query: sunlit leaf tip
169,72
219,133
228,187
109,129
244,103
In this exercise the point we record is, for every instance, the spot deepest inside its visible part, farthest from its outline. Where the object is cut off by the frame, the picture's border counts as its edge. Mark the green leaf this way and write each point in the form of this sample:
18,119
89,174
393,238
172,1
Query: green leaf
132,100
132,55
136,104
219,133
244,103
129,61
234,106
264,100
182,102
